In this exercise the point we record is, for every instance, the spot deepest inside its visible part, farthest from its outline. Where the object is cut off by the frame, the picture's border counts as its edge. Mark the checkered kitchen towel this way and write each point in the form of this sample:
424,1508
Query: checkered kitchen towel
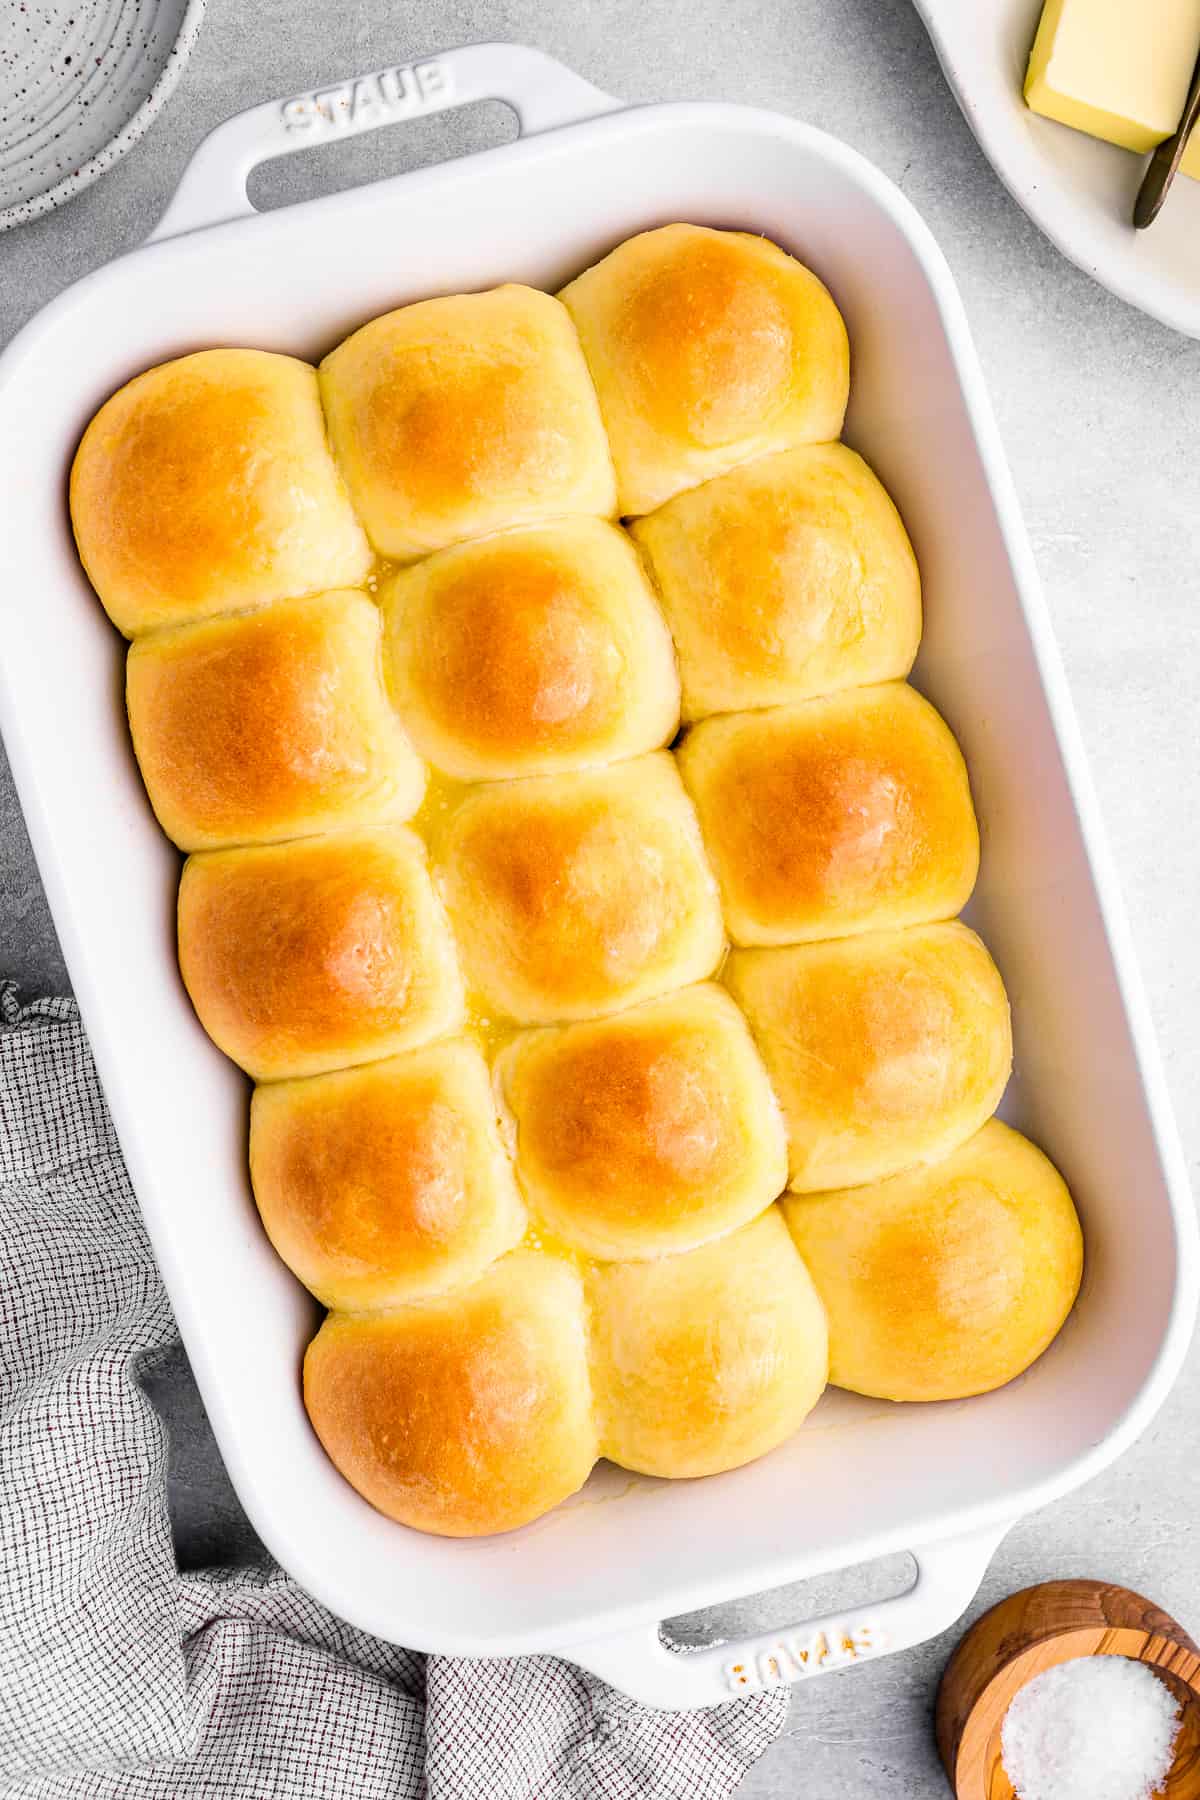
121,1679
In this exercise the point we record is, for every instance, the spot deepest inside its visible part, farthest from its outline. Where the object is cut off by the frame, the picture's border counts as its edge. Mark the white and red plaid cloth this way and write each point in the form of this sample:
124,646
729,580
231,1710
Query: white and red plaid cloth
122,1679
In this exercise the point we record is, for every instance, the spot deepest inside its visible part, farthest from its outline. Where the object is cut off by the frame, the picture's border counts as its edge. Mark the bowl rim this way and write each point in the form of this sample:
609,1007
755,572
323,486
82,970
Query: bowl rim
134,128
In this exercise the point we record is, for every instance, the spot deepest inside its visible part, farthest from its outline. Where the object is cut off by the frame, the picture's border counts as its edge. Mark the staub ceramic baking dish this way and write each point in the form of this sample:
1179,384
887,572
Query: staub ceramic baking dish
594,1579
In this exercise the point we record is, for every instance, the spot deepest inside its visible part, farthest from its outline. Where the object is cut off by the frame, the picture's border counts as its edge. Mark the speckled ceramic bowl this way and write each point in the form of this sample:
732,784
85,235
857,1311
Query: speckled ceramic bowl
80,80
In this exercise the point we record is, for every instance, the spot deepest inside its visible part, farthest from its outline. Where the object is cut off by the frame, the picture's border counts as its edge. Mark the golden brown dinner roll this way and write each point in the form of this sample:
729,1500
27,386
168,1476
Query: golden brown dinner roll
531,652
270,724
706,1360
206,485
850,813
707,348
385,1183
790,576
468,1414
458,416
886,1050
944,1281
580,894
317,954
649,1132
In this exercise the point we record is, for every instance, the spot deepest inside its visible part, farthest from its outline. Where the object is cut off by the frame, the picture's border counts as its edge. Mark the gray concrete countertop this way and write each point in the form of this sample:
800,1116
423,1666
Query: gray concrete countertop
1095,408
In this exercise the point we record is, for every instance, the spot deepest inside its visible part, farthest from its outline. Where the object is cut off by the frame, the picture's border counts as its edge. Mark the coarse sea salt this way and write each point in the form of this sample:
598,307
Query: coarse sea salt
1096,1728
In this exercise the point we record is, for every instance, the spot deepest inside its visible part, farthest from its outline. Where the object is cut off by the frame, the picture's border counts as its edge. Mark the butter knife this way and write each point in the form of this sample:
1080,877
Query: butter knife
1164,164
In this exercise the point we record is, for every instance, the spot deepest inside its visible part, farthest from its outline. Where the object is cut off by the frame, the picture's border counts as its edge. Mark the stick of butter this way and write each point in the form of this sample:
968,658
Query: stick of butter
1117,69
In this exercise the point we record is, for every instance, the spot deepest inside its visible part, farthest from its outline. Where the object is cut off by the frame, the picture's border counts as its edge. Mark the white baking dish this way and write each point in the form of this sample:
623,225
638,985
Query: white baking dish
593,1579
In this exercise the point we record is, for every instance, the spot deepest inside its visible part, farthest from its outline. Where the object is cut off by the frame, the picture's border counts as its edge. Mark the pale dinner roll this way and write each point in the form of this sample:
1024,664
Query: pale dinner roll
317,954
458,416
790,576
388,1182
531,652
271,724
206,485
580,894
945,1281
885,1050
849,813
703,1361
649,1132
468,1414
707,348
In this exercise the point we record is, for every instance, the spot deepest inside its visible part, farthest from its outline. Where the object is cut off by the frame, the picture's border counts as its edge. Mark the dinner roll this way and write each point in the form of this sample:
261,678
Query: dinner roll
468,1414
706,1360
790,576
385,1183
317,954
580,894
206,485
944,1281
458,416
535,651
707,348
649,1132
850,813
885,1050
270,724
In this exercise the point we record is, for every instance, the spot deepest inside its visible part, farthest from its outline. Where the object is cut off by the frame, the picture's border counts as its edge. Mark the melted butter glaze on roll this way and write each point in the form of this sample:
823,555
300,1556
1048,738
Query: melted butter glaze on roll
885,1050
532,652
789,577
845,814
706,1360
317,954
205,486
945,1281
707,348
385,1183
272,724
454,417
581,894
649,1132
469,1414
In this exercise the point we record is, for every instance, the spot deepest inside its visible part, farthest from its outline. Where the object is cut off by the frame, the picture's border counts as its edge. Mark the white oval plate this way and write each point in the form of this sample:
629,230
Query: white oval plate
1078,190
80,80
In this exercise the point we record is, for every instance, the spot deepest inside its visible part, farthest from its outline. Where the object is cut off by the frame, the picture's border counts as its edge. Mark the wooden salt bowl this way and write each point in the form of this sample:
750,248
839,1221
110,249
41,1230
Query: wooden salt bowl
1032,1631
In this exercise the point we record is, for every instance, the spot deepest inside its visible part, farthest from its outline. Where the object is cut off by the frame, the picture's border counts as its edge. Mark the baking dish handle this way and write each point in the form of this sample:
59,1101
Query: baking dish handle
642,1664
542,92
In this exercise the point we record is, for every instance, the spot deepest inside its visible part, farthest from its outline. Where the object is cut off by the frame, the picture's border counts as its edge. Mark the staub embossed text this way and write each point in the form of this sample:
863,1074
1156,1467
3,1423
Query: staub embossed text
789,1659
396,93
